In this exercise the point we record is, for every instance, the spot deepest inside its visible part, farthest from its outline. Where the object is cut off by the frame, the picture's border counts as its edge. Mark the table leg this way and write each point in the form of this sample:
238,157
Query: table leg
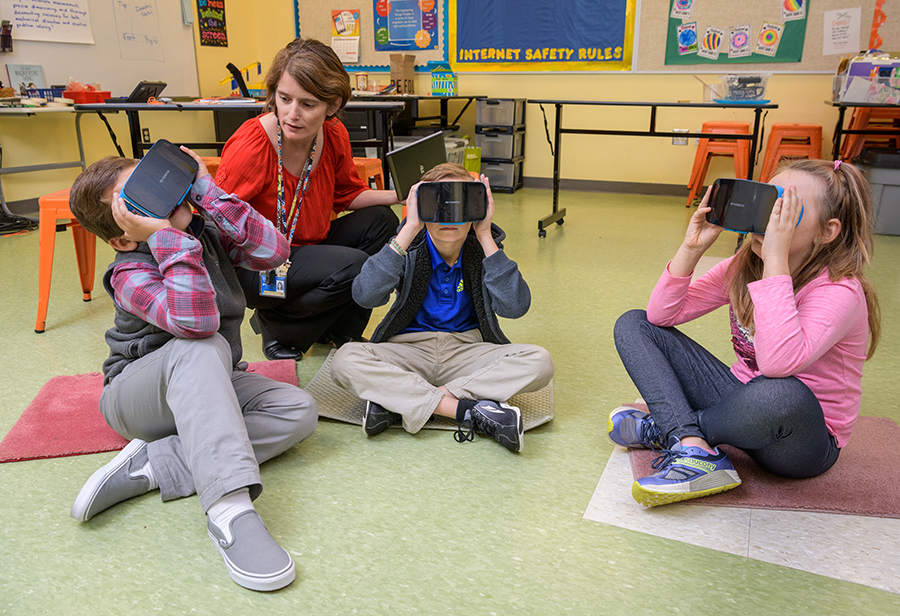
838,130
134,126
557,215
754,140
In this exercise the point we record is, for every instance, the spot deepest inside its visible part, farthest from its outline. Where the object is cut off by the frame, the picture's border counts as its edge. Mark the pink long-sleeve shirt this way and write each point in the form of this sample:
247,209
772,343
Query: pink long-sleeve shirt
819,334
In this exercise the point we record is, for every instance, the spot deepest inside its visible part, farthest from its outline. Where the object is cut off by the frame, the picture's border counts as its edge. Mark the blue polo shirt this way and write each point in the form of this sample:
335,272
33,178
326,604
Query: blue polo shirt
447,306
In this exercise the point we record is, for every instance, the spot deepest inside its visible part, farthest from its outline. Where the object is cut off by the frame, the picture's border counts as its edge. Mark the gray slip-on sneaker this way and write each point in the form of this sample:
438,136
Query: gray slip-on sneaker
113,483
253,558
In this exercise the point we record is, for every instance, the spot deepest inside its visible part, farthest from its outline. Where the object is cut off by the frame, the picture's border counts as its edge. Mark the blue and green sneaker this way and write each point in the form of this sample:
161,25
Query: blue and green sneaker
684,473
629,427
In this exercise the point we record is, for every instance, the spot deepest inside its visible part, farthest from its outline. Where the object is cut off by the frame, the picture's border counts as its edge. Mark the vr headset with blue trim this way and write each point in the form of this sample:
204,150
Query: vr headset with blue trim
160,182
743,206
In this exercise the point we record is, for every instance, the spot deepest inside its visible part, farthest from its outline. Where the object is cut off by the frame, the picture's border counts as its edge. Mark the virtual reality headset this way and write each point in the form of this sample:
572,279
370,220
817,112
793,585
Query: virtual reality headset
452,203
742,205
160,182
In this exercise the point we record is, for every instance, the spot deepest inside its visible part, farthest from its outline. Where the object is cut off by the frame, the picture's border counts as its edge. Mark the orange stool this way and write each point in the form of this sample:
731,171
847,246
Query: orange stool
370,168
790,140
54,207
869,117
709,147
212,164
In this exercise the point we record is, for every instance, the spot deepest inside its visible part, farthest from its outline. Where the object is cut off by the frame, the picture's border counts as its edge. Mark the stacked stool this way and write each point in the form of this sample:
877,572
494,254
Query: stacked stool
709,147
370,168
871,118
790,141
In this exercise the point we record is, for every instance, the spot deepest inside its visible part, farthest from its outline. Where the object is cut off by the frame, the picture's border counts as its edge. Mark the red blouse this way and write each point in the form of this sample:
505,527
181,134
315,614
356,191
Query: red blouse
249,169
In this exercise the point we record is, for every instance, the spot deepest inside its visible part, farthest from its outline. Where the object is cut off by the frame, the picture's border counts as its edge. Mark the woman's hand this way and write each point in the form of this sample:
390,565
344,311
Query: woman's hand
700,235
137,228
776,244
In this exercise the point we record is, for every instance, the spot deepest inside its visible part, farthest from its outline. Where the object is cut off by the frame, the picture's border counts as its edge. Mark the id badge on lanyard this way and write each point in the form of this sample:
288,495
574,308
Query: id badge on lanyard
273,282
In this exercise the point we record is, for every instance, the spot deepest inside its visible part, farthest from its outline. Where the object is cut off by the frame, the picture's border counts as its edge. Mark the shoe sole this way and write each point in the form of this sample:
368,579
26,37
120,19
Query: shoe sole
251,581
88,492
713,483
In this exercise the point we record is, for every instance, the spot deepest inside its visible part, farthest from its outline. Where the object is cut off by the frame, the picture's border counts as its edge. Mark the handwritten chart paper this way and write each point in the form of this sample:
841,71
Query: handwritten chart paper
55,21
137,27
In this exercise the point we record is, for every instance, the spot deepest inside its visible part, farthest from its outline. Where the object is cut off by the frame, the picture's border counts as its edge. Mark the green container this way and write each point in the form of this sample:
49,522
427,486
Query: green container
473,159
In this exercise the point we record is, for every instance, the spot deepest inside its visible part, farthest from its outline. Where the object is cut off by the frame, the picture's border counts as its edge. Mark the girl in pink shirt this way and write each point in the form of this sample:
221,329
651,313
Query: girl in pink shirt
804,318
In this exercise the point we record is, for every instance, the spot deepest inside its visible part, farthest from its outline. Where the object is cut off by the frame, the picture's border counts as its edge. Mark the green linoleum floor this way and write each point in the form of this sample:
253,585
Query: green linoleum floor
402,524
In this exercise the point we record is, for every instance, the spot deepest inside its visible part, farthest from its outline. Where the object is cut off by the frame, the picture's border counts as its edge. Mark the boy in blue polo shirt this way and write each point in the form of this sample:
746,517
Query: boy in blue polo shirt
439,349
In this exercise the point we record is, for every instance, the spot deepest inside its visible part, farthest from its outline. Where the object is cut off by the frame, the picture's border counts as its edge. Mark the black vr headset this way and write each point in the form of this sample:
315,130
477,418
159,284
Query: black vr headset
452,203
742,205
160,181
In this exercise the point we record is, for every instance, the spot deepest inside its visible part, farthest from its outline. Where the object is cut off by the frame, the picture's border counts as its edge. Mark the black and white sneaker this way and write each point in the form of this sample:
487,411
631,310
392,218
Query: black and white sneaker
498,420
377,419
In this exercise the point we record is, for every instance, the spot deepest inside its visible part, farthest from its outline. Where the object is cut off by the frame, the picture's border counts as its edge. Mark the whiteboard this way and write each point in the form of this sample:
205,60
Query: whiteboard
133,41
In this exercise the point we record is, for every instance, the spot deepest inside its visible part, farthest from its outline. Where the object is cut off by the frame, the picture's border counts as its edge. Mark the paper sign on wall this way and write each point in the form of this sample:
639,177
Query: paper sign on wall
213,32
42,20
687,38
709,44
345,35
841,32
682,9
768,39
793,9
739,44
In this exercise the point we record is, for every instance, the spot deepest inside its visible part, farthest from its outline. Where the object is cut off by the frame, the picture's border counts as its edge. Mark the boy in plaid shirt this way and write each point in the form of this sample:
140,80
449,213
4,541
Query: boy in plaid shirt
174,381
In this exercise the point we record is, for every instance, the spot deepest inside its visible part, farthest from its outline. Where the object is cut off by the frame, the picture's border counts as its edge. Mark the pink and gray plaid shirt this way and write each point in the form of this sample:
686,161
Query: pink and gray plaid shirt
178,296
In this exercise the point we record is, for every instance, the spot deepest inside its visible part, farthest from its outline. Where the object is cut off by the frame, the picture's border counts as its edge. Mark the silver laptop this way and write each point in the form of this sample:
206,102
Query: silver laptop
407,164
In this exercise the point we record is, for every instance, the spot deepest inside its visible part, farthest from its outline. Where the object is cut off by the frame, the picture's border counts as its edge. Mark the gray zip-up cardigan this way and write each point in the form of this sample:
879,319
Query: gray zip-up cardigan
494,284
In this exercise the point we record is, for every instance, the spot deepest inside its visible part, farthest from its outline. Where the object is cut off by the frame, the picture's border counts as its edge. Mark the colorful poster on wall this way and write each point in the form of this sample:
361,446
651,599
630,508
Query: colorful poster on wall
768,31
535,35
212,23
405,25
345,35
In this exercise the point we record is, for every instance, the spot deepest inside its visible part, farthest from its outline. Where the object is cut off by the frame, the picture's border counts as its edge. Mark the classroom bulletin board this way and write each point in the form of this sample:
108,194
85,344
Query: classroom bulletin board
314,20
658,40
651,21
535,35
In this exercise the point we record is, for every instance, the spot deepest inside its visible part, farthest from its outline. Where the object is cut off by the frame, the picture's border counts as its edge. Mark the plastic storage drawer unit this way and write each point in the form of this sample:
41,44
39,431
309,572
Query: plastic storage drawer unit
882,167
495,144
505,176
500,111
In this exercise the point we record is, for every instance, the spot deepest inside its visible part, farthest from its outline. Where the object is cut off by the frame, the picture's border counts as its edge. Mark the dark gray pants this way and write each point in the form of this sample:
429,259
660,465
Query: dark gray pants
689,392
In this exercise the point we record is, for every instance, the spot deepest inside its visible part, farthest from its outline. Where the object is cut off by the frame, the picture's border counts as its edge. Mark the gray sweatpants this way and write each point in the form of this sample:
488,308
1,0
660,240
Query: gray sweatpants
404,373
208,426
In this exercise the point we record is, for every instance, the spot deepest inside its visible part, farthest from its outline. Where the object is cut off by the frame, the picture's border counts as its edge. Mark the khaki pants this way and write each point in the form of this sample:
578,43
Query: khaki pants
404,373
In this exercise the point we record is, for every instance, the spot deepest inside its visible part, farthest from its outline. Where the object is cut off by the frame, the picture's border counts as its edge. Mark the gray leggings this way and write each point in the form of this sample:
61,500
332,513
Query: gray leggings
778,422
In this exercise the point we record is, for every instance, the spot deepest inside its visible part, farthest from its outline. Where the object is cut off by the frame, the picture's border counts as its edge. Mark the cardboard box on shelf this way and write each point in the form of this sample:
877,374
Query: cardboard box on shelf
403,72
